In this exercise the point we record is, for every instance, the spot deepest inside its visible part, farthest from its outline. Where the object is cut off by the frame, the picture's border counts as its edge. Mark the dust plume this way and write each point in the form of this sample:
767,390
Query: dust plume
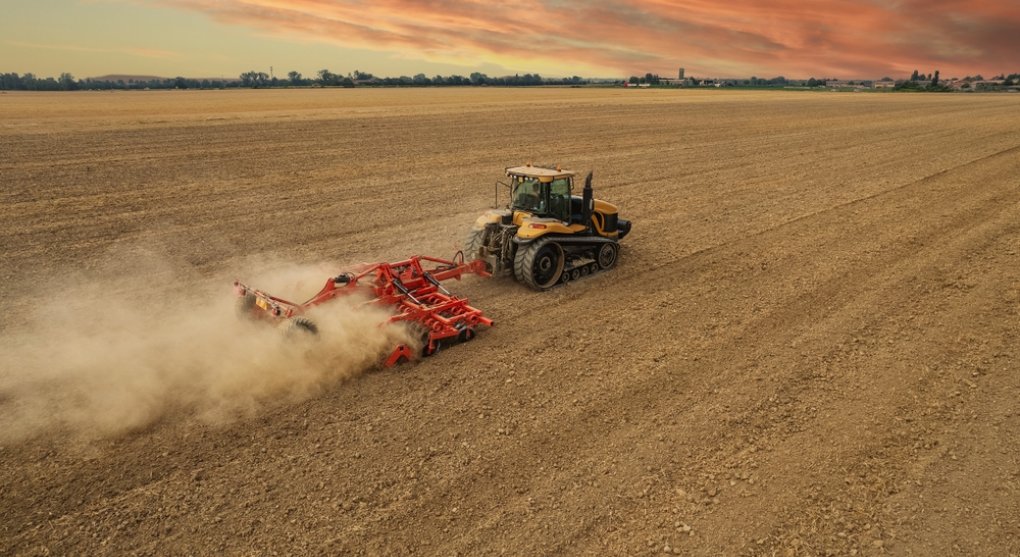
108,351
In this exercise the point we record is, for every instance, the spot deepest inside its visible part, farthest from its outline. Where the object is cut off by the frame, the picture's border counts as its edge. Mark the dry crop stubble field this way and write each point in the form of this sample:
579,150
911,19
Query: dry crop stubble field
809,346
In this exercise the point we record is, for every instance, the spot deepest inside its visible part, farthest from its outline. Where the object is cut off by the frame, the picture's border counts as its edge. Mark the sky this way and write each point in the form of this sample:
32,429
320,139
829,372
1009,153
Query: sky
846,39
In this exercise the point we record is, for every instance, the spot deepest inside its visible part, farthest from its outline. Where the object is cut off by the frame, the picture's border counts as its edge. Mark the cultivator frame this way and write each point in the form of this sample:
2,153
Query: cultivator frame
414,291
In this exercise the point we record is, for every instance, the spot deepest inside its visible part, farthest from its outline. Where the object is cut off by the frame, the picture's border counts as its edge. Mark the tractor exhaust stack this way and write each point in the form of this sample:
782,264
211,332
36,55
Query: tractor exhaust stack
587,201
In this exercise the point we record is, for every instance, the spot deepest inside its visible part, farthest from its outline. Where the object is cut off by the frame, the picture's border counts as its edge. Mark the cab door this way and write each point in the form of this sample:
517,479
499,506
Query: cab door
559,199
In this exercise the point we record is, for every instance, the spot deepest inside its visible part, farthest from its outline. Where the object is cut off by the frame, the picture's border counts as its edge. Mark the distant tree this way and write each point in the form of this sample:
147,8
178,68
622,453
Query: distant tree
633,79
914,76
814,82
295,78
361,76
67,82
328,78
478,78
935,79
12,82
254,79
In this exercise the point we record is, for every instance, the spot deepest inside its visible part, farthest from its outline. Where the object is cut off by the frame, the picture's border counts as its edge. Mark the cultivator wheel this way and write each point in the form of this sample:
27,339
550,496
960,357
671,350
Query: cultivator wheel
302,326
246,304
466,334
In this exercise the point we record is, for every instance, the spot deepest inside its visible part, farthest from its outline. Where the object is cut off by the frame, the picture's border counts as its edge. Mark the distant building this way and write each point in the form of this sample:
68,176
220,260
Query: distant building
844,84
680,75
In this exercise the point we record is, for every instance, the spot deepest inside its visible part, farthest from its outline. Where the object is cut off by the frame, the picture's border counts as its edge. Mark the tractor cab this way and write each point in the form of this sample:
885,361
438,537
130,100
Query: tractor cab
541,192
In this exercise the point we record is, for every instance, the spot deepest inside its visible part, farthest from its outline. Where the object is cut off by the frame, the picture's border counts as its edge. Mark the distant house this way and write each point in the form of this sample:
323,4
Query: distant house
884,84
977,85
845,84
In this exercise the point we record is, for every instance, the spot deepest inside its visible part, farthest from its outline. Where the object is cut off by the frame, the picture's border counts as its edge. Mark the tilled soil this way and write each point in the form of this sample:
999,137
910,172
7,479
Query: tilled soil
809,346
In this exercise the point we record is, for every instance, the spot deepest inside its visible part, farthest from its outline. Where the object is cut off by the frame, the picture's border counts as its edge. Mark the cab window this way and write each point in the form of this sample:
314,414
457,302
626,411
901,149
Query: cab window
559,199
527,195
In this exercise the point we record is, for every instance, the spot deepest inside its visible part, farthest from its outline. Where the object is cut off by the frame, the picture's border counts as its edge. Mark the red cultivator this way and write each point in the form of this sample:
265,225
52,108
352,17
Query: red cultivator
414,292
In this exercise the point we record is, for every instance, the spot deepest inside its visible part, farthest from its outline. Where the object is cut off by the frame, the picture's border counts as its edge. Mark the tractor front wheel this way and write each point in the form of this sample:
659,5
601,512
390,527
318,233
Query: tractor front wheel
473,245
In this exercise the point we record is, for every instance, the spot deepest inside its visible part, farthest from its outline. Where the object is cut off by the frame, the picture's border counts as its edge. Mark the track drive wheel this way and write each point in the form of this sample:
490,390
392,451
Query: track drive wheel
540,264
607,255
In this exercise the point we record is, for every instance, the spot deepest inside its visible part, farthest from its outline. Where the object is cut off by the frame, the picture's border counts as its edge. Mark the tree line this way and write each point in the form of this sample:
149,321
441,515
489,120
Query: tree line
753,81
932,82
921,82
67,82
326,78
256,79
357,78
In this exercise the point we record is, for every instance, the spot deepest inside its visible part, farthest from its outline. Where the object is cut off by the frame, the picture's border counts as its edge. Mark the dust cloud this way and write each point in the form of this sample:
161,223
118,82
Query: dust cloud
107,352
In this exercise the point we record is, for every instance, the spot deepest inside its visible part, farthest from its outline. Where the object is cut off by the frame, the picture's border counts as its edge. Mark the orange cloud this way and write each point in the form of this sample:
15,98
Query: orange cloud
836,38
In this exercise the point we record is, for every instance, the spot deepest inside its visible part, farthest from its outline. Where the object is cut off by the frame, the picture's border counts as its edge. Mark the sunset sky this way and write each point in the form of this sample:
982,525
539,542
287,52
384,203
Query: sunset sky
796,38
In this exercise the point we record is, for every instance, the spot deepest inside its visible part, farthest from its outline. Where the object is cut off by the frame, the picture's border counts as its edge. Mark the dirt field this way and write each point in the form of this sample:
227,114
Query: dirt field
809,347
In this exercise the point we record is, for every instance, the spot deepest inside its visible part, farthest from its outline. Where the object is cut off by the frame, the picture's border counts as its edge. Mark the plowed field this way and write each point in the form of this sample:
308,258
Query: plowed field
810,345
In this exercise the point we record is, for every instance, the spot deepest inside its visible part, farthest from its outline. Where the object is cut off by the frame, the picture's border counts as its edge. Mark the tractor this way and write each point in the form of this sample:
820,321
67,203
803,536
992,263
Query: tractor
546,235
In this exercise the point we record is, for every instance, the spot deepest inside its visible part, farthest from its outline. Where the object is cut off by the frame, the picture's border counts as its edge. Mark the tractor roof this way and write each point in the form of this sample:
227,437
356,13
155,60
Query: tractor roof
538,172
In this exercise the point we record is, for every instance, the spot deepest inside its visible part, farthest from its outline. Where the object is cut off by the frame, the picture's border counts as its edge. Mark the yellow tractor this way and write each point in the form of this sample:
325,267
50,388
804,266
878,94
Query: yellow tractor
546,235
